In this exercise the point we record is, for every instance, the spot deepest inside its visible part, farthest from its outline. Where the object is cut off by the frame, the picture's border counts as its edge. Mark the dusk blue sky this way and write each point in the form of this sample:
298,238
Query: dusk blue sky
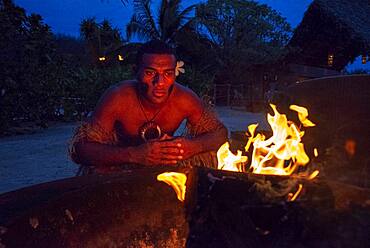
64,16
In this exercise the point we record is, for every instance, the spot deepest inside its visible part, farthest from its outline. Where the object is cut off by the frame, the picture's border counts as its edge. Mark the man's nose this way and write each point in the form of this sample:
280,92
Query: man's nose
158,80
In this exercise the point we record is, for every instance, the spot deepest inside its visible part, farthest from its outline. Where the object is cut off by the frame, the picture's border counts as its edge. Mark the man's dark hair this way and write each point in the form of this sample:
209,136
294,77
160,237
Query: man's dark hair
153,47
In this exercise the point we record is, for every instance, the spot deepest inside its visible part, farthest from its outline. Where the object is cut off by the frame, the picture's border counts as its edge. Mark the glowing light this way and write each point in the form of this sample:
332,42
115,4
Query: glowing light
330,59
364,59
101,58
120,57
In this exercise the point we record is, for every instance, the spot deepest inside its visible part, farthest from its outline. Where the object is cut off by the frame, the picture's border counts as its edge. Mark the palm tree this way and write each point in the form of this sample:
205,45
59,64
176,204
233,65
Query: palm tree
170,20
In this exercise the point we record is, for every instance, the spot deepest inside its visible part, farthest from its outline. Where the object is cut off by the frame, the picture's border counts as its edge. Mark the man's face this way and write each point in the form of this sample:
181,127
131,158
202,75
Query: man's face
157,73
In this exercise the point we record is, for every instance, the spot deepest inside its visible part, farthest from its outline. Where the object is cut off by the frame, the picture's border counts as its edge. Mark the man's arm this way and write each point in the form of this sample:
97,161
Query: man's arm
100,150
208,133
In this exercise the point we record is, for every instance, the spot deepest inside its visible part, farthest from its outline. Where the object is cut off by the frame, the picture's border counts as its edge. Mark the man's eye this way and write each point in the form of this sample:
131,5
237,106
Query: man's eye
149,73
169,73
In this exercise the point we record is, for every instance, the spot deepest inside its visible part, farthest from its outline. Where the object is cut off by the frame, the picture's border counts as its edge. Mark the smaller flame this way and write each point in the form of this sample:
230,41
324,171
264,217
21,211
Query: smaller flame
315,152
229,161
293,197
313,175
302,115
177,181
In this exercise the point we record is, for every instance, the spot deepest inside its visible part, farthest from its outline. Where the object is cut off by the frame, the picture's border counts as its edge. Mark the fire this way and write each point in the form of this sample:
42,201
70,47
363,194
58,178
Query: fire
229,161
281,154
177,181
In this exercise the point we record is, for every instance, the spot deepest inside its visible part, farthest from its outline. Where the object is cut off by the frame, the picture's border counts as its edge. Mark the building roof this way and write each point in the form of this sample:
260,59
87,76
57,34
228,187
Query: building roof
340,27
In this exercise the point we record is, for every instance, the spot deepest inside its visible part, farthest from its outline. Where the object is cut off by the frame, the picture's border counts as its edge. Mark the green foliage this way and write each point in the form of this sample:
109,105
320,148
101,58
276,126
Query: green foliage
242,34
83,87
27,48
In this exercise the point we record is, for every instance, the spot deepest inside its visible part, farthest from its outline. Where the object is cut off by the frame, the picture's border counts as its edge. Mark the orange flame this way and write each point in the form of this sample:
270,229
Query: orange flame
302,115
229,161
177,181
281,154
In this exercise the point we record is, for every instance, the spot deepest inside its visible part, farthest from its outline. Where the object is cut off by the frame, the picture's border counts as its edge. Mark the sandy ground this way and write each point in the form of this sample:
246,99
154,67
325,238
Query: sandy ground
41,157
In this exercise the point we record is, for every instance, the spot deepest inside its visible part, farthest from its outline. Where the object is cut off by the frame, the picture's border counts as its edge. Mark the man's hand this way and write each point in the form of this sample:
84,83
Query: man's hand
156,153
186,148
168,151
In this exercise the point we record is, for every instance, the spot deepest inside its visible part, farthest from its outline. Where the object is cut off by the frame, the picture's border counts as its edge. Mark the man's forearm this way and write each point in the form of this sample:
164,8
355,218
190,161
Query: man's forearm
96,154
210,141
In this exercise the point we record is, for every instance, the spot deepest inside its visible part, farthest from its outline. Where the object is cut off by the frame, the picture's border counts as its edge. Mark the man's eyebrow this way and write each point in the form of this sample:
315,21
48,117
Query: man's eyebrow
154,69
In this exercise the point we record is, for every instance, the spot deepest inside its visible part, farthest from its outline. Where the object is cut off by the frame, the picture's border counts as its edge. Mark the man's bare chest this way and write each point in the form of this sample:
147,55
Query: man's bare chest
130,121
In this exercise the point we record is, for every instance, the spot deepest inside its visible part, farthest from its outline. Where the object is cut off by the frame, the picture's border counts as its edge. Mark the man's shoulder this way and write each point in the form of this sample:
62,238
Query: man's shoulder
183,92
124,88
187,98
118,94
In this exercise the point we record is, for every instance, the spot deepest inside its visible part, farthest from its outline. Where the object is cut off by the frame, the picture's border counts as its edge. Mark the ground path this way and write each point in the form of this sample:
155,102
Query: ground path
41,157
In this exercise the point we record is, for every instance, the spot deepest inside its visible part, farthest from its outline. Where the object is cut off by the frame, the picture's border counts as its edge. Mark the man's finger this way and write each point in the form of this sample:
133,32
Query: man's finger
174,143
171,157
172,151
166,162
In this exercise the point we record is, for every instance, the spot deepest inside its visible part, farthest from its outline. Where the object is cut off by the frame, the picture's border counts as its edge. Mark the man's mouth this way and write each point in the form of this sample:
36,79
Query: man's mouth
159,93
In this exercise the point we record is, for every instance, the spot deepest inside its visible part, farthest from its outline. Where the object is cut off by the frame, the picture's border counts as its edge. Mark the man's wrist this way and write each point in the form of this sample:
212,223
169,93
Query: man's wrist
197,146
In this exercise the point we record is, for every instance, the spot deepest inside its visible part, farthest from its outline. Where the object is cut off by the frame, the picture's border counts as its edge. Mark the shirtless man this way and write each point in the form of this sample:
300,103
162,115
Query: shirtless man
135,120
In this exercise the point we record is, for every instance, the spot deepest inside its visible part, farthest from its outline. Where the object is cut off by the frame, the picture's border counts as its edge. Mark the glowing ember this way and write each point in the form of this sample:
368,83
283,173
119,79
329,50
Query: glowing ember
315,152
293,197
177,181
313,175
229,161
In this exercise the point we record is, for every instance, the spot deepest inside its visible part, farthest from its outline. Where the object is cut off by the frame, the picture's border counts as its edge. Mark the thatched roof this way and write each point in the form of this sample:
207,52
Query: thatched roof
341,27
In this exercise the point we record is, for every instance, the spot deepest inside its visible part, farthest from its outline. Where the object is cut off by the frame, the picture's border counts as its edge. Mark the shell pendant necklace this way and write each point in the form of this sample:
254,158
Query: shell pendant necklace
150,129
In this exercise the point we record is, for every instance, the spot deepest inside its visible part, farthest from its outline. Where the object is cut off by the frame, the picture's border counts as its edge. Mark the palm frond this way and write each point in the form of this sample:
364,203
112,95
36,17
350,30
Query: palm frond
143,16
135,27
161,15
124,2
